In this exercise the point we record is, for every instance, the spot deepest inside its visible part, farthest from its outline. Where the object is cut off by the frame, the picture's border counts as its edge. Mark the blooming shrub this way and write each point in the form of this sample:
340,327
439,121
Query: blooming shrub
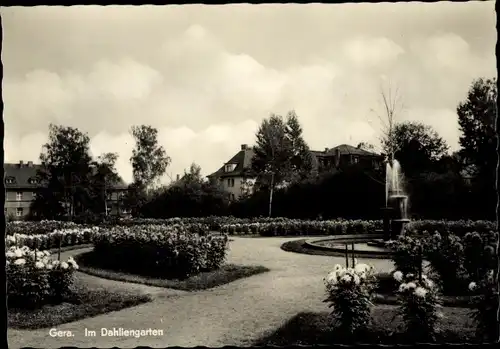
37,228
69,237
458,228
34,279
296,227
446,257
407,254
418,305
159,250
479,253
349,292
485,306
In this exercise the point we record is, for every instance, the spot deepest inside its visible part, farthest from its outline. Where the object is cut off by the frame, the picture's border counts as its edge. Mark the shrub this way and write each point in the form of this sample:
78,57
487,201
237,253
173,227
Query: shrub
478,256
407,254
160,250
46,241
34,279
446,257
418,306
458,228
349,292
485,306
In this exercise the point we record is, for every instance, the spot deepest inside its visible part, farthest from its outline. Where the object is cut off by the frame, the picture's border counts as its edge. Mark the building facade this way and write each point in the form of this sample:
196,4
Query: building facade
22,185
237,178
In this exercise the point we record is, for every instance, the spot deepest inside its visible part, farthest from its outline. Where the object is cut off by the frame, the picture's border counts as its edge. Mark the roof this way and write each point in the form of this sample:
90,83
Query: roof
243,162
23,173
346,149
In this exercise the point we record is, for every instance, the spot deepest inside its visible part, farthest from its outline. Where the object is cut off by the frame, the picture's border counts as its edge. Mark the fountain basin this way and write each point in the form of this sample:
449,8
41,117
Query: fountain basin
362,249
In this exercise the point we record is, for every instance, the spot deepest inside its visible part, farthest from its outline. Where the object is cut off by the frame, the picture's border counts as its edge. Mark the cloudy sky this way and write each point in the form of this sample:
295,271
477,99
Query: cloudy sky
206,76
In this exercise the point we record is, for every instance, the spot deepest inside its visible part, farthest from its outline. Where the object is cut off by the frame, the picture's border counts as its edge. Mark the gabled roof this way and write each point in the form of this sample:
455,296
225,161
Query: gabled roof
346,149
23,173
243,162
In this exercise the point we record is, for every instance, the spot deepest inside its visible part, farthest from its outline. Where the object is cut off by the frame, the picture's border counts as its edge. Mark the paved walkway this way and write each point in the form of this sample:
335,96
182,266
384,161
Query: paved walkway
233,314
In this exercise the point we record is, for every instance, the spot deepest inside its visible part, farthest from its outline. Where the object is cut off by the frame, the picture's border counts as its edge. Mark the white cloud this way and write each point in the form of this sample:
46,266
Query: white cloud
206,92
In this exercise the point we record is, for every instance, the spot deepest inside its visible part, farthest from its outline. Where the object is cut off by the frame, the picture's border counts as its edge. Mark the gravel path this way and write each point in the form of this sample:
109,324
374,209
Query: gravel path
233,314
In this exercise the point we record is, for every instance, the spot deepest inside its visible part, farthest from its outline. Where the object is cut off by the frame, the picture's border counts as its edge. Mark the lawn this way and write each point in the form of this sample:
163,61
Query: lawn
314,328
84,303
205,280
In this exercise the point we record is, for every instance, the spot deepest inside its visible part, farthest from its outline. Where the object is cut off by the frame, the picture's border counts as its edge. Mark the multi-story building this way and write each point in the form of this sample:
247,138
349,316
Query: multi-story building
345,155
237,178
22,185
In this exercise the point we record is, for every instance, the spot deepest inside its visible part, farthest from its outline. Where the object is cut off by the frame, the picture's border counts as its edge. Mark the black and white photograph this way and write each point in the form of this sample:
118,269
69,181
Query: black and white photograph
250,174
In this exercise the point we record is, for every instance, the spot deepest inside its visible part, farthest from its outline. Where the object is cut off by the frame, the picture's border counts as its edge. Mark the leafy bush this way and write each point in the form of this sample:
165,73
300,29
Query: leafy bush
67,237
37,228
418,306
458,228
160,250
34,279
349,292
295,227
407,254
446,257
485,306
479,253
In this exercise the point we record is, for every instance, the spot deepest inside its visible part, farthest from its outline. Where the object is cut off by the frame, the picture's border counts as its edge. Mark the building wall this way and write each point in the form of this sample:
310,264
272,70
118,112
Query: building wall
19,208
236,190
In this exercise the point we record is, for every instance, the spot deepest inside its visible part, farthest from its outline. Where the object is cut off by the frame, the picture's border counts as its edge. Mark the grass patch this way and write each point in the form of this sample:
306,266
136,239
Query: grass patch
89,264
84,303
315,329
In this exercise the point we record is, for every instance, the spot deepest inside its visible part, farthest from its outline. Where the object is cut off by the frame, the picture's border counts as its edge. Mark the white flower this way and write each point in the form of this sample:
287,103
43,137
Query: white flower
10,254
49,266
20,261
40,254
64,265
420,292
411,285
403,287
472,286
356,279
398,276
362,267
39,265
428,283
337,267
410,276
19,253
346,278
7,262
46,252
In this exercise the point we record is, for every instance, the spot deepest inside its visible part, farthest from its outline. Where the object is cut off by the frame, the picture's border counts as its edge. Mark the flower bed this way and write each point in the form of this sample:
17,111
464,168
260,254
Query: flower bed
37,228
459,228
290,227
34,279
66,237
159,250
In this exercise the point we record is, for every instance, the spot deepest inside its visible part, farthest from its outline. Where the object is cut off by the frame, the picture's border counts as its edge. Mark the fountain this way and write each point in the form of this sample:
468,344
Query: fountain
374,244
395,212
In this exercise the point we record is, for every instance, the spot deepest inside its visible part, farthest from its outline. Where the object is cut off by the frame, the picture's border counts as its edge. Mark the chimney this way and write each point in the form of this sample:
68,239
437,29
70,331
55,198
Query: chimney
244,147
30,163
326,150
178,176
21,163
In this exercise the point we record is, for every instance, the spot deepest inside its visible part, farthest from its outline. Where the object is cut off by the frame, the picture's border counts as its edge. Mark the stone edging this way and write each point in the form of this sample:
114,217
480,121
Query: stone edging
312,243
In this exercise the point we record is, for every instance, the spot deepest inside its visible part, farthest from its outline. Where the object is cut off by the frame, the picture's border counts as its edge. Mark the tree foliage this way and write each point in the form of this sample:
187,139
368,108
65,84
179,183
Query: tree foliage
419,147
149,159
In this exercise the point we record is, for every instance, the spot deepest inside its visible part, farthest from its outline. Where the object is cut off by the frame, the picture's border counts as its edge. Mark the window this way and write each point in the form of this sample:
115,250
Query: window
19,212
232,196
355,160
19,196
33,181
230,182
109,196
10,180
230,167
34,195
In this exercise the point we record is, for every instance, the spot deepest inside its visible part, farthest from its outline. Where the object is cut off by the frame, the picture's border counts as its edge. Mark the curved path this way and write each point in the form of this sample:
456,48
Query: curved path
233,314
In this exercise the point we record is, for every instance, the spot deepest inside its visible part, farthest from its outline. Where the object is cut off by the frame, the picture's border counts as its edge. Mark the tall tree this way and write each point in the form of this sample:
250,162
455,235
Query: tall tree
149,159
66,172
476,118
419,147
301,159
105,176
272,154
392,107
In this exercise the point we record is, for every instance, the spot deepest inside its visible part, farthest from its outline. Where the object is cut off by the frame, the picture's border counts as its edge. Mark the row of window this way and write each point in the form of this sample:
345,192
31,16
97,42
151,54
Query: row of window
12,180
19,195
20,211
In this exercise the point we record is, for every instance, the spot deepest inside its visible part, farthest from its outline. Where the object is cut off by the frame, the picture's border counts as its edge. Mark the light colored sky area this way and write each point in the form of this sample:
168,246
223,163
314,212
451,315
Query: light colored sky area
206,76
